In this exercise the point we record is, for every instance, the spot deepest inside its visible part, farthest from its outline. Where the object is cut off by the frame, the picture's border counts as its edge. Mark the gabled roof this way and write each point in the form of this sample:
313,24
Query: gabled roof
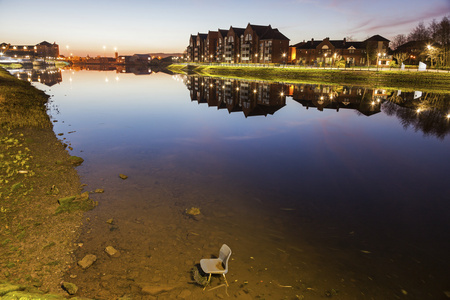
377,38
238,31
223,32
202,35
274,34
343,44
309,44
212,34
338,44
259,29
44,43
412,45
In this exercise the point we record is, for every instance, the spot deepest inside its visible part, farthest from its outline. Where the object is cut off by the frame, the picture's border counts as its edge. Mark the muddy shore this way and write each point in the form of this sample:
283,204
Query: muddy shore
37,233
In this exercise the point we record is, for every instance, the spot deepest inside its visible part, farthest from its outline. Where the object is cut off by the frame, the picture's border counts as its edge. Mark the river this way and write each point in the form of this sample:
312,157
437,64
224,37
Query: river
319,191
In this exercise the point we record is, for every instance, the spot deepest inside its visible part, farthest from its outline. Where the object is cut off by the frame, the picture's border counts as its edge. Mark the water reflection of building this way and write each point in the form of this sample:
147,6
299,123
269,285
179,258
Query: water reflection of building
250,97
366,101
49,77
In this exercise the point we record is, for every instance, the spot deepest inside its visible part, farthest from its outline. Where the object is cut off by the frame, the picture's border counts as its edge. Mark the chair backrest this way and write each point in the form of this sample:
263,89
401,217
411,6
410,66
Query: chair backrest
224,255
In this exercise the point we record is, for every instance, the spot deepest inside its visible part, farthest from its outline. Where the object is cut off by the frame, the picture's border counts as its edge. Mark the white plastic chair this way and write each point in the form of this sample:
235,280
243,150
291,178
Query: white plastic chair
217,265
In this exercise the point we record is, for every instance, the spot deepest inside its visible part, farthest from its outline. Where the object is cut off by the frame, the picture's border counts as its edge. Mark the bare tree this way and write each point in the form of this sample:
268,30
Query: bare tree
401,57
420,33
398,40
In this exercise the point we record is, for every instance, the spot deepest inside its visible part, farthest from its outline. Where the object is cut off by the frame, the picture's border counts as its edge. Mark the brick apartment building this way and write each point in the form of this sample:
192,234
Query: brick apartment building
263,44
253,44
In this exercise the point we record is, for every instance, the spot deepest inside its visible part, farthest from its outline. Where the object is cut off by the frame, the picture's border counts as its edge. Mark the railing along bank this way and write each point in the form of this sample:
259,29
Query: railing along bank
291,66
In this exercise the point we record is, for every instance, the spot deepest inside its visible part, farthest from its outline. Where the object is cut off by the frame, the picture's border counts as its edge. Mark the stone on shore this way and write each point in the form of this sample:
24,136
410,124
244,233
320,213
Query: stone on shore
70,288
66,200
87,261
111,251
75,160
123,176
99,191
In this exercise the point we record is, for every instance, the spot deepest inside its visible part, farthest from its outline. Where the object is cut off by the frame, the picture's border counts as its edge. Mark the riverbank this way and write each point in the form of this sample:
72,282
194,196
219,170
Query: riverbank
37,229
431,81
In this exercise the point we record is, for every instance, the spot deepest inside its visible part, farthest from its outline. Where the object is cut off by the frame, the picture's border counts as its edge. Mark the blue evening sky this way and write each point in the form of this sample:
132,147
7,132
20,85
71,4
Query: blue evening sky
134,26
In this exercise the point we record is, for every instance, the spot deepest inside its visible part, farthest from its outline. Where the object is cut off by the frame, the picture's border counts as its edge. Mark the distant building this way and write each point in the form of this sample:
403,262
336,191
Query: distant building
136,59
415,51
210,46
253,44
263,44
42,50
220,45
326,52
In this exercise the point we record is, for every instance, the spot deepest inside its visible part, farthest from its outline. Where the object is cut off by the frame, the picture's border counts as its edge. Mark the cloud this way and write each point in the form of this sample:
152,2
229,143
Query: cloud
392,22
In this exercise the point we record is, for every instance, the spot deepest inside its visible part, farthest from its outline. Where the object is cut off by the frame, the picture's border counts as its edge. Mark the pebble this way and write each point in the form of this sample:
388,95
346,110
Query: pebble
87,261
111,251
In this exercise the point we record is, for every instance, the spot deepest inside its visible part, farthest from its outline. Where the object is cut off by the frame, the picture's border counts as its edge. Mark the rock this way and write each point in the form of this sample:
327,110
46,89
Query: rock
155,290
99,191
75,160
123,176
184,294
70,288
193,211
84,196
6,288
87,261
111,251
66,200
110,221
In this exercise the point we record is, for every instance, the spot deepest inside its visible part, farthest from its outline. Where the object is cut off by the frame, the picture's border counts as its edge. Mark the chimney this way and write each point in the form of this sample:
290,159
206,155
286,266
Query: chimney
345,40
312,40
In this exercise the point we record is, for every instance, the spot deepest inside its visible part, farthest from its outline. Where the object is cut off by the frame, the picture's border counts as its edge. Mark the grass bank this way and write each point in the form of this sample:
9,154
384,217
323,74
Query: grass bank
36,232
386,79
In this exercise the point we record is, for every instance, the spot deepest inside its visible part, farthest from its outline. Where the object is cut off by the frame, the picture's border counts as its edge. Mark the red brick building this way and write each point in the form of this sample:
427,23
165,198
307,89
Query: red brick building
353,53
253,44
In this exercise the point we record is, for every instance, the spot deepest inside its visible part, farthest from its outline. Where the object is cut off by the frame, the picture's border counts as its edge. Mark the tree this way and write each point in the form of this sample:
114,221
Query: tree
401,57
371,53
398,40
420,33
339,61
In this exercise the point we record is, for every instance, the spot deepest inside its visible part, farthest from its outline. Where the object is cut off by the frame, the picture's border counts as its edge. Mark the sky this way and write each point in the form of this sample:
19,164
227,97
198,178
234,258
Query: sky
86,27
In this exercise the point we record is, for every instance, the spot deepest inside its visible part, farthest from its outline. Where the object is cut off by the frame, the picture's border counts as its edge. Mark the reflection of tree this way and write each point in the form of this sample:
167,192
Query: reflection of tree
427,113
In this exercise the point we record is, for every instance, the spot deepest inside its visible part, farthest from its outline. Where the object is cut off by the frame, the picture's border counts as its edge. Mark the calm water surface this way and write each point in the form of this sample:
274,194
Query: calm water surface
320,191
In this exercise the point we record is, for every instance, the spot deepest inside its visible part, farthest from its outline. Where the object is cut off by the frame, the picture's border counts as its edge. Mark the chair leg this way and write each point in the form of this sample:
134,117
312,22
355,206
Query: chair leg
207,283
225,279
